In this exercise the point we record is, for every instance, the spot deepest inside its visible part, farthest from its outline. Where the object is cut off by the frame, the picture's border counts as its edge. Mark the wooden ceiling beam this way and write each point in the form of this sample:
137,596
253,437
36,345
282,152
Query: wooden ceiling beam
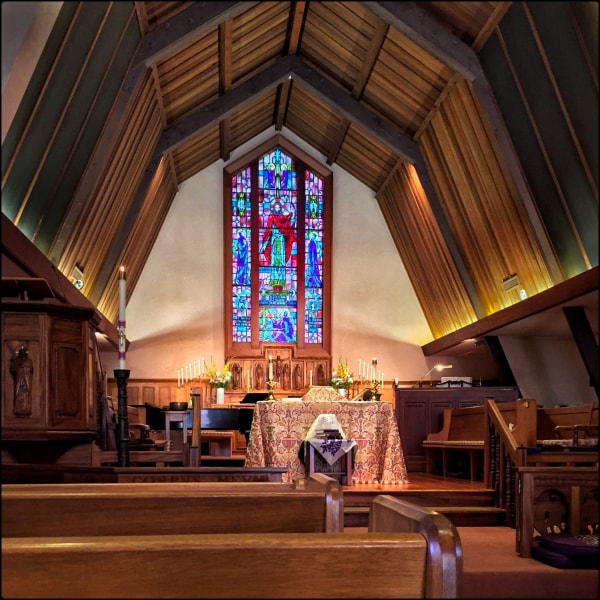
567,291
269,78
420,27
185,27
354,111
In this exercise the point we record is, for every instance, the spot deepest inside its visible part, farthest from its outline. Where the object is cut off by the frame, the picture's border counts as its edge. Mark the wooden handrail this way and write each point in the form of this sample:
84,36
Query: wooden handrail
517,453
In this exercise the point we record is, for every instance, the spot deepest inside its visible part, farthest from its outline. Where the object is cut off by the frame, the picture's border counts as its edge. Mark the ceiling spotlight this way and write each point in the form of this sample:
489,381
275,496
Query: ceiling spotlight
76,278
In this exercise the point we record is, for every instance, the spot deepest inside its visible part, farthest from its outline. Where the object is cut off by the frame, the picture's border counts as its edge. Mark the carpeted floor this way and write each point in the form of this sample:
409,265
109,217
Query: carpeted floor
493,569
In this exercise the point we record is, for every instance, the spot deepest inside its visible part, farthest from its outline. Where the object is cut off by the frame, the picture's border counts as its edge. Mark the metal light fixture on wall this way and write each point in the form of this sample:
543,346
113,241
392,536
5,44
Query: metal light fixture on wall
438,367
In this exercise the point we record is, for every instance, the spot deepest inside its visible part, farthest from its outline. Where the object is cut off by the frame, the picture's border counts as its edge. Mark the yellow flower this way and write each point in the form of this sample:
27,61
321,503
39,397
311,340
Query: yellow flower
219,377
341,377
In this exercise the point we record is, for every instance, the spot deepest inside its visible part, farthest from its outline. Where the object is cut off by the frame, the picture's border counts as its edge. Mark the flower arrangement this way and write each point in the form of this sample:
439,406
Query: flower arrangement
341,377
219,378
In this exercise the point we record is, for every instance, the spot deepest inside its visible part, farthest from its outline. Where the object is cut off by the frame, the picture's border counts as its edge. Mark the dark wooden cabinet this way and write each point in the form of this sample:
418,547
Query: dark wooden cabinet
420,411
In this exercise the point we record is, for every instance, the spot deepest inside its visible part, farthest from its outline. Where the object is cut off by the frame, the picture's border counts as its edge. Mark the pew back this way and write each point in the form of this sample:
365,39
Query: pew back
443,578
314,505
563,416
245,565
461,424
463,429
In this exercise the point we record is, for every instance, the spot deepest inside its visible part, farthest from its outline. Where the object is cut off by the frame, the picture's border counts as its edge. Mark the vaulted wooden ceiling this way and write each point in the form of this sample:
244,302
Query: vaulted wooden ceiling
128,100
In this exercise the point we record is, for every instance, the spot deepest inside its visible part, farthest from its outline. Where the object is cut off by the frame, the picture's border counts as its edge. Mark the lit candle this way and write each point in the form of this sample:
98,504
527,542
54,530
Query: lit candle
311,378
121,324
270,368
203,367
359,361
381,379
178,377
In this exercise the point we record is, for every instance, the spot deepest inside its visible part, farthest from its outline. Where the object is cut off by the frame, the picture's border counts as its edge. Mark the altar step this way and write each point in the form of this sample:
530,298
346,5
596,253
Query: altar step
465,503
460,516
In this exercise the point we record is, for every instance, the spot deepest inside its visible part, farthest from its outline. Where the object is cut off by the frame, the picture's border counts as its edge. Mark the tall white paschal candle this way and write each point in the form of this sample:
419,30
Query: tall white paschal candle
121,326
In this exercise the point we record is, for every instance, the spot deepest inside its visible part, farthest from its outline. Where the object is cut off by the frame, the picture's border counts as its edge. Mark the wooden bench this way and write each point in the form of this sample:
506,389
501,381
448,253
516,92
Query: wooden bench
444,550
466,429
34,473
241,565
564,417
462,429
551,435
567,435
415,555
312,505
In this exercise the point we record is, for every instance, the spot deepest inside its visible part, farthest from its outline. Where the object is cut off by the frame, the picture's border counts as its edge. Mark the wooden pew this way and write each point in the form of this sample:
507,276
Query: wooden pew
462,429
567,435
572,475
415,555
312,505
57,473
548,419
543,436
444,567
241,565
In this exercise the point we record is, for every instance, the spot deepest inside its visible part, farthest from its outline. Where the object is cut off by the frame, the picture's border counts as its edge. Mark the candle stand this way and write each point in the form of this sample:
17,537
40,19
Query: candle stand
121,375
195,447
270,386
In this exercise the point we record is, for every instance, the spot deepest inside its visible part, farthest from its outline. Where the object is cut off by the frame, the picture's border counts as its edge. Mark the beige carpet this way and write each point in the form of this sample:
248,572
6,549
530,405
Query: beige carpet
493,569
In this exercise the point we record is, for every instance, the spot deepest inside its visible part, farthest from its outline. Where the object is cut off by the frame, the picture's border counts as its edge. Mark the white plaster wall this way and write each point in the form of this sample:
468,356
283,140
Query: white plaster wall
548,369
175,315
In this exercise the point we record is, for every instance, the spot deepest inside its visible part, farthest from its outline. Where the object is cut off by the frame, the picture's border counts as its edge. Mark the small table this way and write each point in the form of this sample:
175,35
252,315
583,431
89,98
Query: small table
177,416
310,450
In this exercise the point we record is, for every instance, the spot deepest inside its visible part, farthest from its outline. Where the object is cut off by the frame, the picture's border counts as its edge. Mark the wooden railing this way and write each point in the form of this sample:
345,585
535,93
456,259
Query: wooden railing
517,474
504,451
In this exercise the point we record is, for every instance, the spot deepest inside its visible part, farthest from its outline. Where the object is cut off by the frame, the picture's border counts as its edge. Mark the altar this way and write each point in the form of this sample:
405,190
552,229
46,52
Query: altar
279,428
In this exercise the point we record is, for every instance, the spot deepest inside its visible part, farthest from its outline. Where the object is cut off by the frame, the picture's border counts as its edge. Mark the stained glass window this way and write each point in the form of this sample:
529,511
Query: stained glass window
278,251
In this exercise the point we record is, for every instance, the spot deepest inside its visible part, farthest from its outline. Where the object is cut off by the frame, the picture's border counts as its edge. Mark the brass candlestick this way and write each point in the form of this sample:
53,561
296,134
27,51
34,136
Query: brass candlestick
270,386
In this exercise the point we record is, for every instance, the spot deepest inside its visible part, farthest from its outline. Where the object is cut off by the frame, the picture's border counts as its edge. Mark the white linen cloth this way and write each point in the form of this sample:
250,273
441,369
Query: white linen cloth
330,449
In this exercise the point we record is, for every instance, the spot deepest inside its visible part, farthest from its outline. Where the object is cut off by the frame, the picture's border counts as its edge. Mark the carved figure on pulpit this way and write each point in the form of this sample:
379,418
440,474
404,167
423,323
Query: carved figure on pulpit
21,367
